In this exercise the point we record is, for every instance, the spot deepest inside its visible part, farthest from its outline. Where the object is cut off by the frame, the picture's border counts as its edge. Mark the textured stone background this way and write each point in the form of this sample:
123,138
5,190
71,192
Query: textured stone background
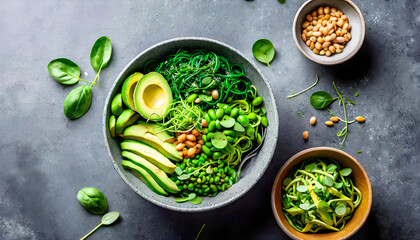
46,159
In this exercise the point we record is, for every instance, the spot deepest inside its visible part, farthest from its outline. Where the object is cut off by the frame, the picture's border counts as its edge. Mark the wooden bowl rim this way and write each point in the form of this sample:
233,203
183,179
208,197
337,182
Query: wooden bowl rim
315,149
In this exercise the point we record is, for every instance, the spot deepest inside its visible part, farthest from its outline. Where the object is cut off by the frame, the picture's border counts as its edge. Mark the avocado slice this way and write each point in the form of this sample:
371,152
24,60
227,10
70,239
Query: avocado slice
148,134
144,177
128,88
127,118
158,175
111,125
116,105
150,154
153,96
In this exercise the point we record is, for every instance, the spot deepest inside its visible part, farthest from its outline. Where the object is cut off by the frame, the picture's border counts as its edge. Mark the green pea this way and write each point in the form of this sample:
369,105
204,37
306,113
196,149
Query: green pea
218,126
206,150
205,131
227,169
201,159
190,186
212,114
213,188
214,149
229,139
191,98
204,137
235,112
212,126
219,113
250,131
185,186
211,180
259,139
252,117
227,109
257,101
215,169
224,187
204,156
204,186
207,190
207,117
177,182
243,120
209,135
202,174
229,133
217,155
264,121
235,139
226,179
241,112
200,191
217,179
208,144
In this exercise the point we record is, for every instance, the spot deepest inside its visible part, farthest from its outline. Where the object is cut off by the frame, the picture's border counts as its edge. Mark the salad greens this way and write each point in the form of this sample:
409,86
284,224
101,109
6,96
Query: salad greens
319,195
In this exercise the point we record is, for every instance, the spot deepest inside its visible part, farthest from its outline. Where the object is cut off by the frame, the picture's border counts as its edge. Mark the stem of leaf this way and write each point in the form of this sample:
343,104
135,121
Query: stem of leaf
200,231
340,118
268,64
96,77
313,85
83,80
345,113
87,235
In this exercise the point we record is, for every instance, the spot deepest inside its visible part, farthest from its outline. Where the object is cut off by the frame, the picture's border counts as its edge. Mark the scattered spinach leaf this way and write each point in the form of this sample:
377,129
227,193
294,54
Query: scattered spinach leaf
92,200
77,102
321,99
263,51
101,53
64,71
310,167
306,206
107,219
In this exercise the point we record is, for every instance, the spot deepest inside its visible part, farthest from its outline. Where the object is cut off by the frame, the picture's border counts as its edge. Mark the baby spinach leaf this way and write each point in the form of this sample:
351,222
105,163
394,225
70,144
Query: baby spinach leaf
321,99
101,53
190,197
77,102
64,71
178,171
340,210
206,80
287,181
110,218
338,185
331,168
346,171
92,200
227,122
238,127
310,167
184,176
306,206
328,181
263,51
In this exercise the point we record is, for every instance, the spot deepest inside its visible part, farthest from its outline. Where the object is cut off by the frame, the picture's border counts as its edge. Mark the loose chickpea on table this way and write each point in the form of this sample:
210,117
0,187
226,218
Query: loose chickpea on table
326,31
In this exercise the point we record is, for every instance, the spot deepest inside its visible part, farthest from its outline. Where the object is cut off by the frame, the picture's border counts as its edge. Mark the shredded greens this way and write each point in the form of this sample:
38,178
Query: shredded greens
319,195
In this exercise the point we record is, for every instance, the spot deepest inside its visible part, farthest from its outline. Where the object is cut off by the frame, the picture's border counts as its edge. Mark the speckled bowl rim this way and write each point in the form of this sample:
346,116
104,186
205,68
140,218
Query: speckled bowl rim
296,39
315,149
180,208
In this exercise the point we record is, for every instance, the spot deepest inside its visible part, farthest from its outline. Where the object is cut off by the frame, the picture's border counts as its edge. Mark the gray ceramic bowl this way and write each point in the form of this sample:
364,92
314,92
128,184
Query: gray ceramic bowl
253,169
358,30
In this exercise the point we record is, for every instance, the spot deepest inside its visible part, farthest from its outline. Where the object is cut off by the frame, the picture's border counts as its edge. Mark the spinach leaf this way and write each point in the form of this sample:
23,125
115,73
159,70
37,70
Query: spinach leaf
101,53
64,71
93,200
321,99
77,102
263,51
281,1
196,200
107,219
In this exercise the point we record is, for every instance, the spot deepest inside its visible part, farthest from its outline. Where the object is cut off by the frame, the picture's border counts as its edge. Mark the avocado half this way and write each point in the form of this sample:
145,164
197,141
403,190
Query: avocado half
153,96
127,90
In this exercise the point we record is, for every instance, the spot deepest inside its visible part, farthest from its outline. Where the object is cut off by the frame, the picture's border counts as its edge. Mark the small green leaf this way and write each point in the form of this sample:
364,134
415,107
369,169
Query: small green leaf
360,151
281,1
341,209
356,94
310,167
338,185
287,181
178,171
92,200
110,218
191,196
77,102
321,99
219,140
196,200
328,181
184,176
229,148
302,188
227,122
346,171
101,53
263,51
206,80
238,127
306,206
331,168
205,97
64,71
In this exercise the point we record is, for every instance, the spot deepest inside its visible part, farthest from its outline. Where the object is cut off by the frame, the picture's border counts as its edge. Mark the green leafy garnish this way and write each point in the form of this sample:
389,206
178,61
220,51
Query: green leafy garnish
263,51
107,219
321,99
77,102
64,71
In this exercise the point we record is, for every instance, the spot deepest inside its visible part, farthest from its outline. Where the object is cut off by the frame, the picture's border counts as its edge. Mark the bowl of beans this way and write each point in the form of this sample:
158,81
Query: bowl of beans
329,32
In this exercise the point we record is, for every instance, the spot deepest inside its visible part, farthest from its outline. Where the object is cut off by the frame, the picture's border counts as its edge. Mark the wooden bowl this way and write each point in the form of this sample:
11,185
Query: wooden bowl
361,181
358,30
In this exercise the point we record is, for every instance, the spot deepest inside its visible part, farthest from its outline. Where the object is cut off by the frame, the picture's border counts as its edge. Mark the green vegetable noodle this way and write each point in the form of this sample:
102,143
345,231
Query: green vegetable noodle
319,195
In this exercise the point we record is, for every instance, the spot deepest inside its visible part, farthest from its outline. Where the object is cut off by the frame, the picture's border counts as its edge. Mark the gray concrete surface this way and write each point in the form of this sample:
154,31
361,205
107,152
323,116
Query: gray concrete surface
46,159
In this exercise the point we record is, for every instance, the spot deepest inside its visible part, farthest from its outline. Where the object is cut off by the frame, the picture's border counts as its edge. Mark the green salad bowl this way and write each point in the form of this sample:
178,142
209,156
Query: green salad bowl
252,171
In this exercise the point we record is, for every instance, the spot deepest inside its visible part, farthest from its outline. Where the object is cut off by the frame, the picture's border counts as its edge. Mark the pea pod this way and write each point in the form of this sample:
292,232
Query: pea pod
206,150
243,120
219,113
227,109
250,132
207,117
257,101
204,138
217,155
252,117
241,112
230,139
212,126
218,126
235,112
